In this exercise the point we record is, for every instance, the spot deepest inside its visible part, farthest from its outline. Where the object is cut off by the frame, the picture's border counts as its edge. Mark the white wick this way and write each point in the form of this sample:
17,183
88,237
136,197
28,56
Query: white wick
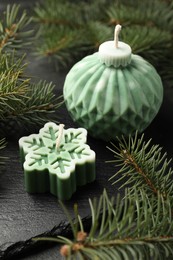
60,134
116,33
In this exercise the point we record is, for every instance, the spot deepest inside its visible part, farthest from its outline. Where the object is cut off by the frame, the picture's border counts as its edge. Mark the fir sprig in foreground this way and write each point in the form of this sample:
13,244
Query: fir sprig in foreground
142,165
122,229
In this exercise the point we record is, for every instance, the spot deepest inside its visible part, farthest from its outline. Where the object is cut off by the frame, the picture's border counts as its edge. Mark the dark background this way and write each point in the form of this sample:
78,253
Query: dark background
22,215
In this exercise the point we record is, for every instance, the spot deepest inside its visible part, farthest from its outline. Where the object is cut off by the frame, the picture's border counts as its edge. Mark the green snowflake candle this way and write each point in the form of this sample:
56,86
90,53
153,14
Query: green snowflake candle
113,91
57,160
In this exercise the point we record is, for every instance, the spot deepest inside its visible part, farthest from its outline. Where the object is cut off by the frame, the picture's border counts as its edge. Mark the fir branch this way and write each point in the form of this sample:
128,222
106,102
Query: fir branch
126,231
14,29
69,35
38,106
66,45
155,13
61,46
67,38
96,33
12,87
148,42
23,104
142,165
58,13
147,29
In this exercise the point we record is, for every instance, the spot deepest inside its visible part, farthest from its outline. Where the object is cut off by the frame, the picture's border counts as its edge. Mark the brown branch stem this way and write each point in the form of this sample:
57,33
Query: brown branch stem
6,94
50,52
33,108
125,241
130,160
9,32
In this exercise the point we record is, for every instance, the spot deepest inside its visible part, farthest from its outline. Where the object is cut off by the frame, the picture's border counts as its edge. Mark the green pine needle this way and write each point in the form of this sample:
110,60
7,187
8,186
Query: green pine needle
23,104
37,106
154,13
125,231
12,87
70,31
142,165
14,32
139,226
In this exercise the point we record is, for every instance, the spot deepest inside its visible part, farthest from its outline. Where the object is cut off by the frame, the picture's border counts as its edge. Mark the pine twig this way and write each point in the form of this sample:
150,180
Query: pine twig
14,32
126,231
142,165
23,104
147,29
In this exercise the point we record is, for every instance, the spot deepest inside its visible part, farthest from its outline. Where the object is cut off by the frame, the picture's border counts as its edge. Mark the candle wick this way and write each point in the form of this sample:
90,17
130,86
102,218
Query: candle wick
60,135
116,33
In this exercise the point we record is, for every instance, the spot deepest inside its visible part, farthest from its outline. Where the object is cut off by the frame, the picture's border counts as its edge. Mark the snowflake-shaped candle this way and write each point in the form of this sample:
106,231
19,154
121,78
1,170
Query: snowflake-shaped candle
57,160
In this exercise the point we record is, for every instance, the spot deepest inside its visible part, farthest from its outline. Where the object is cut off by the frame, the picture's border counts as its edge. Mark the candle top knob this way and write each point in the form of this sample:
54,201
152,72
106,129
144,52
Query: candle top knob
115,53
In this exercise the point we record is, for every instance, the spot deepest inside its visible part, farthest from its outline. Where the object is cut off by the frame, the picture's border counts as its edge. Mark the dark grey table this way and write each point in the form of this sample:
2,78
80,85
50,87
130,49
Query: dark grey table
22,215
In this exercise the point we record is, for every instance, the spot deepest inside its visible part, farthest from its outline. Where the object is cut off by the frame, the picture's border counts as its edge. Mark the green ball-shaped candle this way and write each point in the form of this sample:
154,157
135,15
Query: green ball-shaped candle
113,91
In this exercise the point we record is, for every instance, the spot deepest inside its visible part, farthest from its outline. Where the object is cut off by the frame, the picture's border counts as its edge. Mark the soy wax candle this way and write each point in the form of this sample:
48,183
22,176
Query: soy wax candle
113,92
57,160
